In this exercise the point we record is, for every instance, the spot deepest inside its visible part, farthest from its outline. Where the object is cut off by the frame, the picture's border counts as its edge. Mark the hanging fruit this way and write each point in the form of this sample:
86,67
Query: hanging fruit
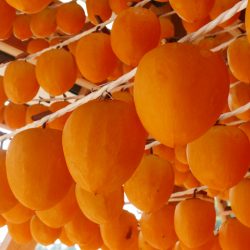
194,221
104,167
20,82
7,199
121,233
239,51
233,235
14,115
95,58
179,87
220,158
56,71
62,212
7,14
21,27
43,234
98,11
43,24
158,227
70,18
100,208
20,233
80,230
132,28
33,154
151,185
18,214
239,197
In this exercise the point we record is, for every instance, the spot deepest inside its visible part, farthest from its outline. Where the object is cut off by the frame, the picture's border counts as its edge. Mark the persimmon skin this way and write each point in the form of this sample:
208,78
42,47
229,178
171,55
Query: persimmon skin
65,239
246,128
194,222
7,199
247,21
20,82
121,233
239,50
98,8
20,233
212,244
81,230
220,158
132,28
95,243
43,24
167,27
31,153
42,233
21,27
59,122
14,115
3,97
239,197
100,208
90,166
156,231
2,221
169,82
56,71
95,58
180,177
70,18
119,5
234,235
34,110
192,10
29,6
18,214
36,45
191,181
164,152
60,214
144,245
180,166
181,154
239,96
151,185
7,14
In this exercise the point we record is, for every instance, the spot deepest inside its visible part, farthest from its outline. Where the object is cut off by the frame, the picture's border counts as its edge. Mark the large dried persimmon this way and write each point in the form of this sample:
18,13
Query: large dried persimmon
135,32
34,161
95,58
109,122
194,221
70,18
20,82
56,71
179,87
151,185
220,158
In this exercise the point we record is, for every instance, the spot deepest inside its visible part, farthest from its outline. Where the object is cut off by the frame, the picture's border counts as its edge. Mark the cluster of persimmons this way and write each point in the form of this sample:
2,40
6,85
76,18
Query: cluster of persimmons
67,180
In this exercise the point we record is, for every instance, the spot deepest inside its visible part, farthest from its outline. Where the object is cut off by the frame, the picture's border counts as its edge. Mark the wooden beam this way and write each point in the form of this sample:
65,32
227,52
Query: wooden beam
9,49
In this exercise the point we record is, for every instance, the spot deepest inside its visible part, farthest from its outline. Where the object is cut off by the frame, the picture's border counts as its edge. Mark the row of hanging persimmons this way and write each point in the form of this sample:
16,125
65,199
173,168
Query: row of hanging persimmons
68,180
